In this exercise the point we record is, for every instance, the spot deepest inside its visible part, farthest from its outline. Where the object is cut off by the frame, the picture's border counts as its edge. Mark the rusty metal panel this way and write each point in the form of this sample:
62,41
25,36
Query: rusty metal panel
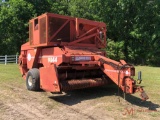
31,33
49,79
42,30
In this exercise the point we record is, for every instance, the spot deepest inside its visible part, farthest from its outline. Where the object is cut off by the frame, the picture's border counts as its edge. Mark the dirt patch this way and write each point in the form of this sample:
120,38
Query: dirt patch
100,103
88,104
19,103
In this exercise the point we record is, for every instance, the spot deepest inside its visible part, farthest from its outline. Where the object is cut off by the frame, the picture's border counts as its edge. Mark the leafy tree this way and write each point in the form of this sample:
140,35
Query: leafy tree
115,50
60,7
14,25
89,9
133,26
40,6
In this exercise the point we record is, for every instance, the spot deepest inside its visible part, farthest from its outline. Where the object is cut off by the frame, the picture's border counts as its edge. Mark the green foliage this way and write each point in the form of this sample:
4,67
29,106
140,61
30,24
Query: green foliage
14,25
60,7
133,25
115,50
39,6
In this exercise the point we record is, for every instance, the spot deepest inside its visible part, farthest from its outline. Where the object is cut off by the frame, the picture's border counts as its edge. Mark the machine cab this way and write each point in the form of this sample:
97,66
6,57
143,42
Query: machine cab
58,30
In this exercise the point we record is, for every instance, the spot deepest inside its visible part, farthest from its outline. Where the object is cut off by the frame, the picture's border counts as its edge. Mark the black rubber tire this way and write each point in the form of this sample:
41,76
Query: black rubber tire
32,80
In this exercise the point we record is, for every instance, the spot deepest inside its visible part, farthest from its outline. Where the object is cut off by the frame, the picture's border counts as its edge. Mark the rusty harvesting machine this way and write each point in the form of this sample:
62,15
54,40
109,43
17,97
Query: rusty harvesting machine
65,53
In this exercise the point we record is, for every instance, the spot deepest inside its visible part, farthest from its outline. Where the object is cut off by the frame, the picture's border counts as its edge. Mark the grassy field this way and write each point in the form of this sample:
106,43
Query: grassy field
97,103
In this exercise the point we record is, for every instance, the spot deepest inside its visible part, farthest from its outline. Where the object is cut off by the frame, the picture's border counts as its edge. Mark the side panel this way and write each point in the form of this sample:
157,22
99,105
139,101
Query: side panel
23,64
30,58
49,79
53,55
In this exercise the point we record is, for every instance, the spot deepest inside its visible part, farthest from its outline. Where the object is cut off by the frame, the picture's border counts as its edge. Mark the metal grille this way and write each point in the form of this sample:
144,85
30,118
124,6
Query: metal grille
54,25
43,30
31,33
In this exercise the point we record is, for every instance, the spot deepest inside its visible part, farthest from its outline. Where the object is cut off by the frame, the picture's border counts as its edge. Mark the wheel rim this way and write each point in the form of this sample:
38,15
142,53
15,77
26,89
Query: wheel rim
30,80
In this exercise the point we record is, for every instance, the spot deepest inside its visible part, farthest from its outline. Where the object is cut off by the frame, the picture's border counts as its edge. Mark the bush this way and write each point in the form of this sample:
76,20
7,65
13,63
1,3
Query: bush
115,49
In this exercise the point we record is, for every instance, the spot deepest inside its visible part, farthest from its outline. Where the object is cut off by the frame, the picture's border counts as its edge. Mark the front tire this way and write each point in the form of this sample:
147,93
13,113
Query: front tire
32,80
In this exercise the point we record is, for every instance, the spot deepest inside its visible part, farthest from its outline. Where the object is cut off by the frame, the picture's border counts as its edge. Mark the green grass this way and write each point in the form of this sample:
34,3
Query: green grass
11,81
10,74
151,81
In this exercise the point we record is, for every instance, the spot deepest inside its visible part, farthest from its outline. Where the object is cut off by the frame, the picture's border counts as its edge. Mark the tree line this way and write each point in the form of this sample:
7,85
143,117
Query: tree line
133,27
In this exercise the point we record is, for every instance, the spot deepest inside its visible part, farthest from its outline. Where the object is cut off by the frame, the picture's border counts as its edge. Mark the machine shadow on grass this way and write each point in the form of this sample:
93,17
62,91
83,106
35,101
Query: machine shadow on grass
76,96
137,101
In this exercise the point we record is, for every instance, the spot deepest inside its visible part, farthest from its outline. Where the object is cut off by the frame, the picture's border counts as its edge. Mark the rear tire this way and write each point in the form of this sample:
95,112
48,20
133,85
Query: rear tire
32,80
